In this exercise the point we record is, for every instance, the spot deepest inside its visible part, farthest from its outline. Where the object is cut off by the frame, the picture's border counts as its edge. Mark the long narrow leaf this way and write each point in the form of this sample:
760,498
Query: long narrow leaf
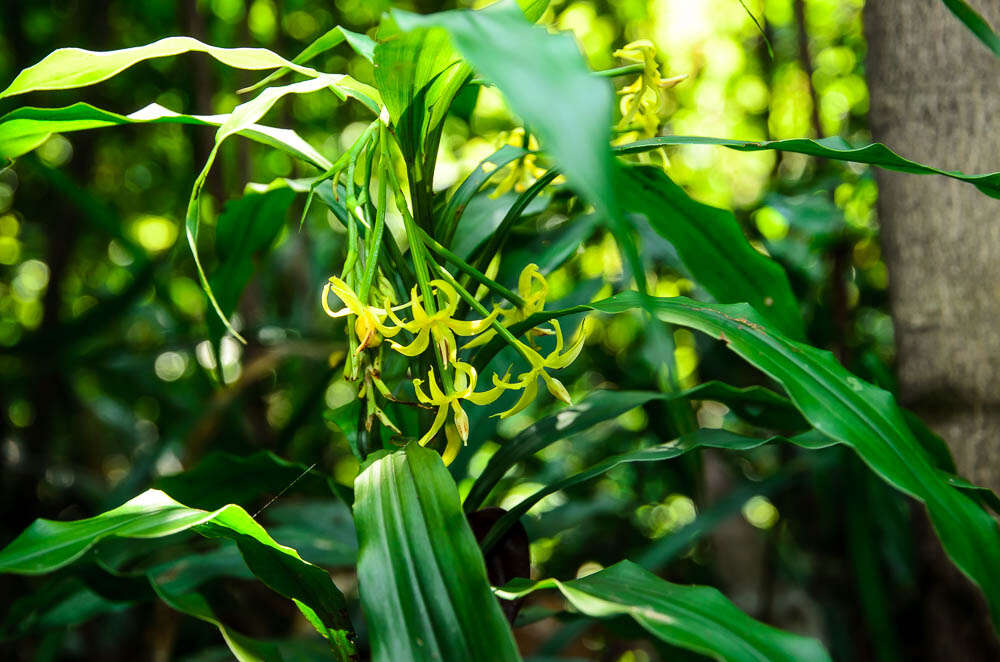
846,409
698,618
67,68
596,408
562,102
835,148
712,246
976,23
423,581
24,129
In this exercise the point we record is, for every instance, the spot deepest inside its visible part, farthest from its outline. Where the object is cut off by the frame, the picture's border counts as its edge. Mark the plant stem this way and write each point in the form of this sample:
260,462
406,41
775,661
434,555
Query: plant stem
471,271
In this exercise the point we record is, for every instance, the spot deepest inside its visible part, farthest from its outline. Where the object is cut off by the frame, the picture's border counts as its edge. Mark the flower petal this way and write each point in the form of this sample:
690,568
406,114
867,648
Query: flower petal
418,345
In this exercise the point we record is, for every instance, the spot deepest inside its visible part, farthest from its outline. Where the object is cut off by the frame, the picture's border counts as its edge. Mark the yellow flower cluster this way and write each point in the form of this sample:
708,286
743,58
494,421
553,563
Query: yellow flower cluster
643,100
523,172
439,330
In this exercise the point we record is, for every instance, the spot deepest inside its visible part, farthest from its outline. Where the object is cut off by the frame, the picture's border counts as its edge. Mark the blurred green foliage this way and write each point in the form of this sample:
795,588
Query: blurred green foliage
110,381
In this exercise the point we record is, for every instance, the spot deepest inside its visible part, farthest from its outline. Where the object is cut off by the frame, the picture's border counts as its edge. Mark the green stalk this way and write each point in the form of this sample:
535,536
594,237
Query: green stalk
471,271
637,68
420,269
373,251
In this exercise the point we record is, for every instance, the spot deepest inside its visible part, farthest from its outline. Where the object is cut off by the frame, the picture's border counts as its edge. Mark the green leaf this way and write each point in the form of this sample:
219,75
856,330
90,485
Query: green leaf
712,246
362,44
67,68
243,116
246,229
418,74
24,129
423,580
847,410
834,148
976,23
548,84
48,545
448,220
598,407
697,618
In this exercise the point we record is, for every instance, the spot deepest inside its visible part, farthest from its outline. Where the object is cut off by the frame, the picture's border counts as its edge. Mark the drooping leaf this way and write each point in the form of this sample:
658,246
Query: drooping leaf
834,148
67,68
362,44
47,545
24,129
976,23
246,229
243,116
697,618
423,581
712,246
562,102
845,409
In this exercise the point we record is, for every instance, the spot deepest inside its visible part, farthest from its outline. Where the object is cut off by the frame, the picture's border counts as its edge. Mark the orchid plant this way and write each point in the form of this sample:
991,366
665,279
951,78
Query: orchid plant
438,320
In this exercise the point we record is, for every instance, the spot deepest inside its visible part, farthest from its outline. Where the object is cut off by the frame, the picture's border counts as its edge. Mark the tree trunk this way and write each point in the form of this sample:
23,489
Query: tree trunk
935,98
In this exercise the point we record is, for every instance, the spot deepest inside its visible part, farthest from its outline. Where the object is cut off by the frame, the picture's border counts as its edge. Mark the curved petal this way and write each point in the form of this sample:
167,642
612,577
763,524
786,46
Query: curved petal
450,294
453,447
326,304
418,345
472,327
421,396
527,397
442,413
437,395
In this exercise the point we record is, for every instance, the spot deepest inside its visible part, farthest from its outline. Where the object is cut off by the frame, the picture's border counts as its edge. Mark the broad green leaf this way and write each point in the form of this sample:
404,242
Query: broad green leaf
845,409
246,229
835,148
423,580
712,246
418,74
24,129
598,407
224,478
976,23
362,44
560,100
697,618
67,68
485,214
48,545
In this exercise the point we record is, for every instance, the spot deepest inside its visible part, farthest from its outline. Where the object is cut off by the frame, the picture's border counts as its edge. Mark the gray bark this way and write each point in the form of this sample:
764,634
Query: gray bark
935,98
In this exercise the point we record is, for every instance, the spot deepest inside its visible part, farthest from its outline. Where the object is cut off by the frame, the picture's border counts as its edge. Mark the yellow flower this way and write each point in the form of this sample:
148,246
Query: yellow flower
533,288
368,325
440,326
464,389
554,361
643,100
524,171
